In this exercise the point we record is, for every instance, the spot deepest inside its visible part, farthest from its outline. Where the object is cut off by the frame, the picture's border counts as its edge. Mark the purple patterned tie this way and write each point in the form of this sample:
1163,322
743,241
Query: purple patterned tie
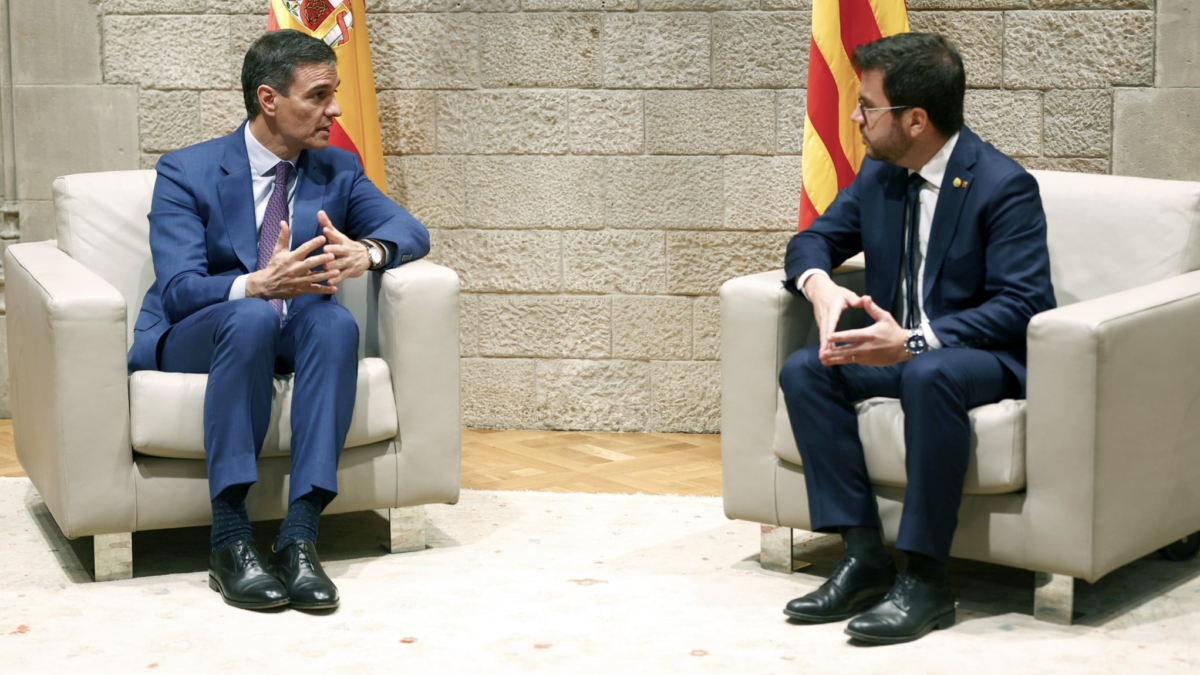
277,210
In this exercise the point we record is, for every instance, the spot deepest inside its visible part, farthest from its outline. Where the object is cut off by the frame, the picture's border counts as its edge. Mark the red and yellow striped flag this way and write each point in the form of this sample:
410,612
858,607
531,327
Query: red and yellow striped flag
833,147
342,24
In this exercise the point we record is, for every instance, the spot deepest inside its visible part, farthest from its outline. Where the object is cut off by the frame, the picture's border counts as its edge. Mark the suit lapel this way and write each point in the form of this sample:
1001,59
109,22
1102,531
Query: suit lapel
237,200
892,225
310,194
949,206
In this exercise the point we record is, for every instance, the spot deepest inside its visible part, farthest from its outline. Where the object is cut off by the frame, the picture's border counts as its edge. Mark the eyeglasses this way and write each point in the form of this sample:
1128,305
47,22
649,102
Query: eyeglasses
863,110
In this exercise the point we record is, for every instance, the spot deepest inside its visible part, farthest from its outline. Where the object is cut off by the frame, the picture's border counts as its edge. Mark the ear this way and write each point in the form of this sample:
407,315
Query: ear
918,122
267,99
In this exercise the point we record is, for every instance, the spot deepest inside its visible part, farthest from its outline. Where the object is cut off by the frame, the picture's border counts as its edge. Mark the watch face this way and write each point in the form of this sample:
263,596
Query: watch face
916,343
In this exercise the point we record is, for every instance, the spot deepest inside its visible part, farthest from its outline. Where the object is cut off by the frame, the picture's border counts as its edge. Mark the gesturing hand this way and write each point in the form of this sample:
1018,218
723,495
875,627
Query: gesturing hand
829,301
880,344
350,258
290,273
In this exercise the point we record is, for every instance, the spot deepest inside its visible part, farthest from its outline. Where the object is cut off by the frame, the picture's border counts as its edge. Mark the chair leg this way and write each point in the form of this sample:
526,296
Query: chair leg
1053,597
776,548
114,556
408,529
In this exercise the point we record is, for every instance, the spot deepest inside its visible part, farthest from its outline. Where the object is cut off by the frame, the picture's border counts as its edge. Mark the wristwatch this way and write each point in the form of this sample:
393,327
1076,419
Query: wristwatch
916,344
374,254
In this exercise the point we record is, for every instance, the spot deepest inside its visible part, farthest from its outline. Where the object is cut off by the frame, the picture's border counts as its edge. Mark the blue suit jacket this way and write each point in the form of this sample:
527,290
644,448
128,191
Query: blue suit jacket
987,269
203,232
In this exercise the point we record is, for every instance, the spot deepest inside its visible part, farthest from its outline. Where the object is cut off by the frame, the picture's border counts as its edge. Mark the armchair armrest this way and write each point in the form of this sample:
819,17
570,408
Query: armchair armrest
761,324
69,384
1113,427
418,337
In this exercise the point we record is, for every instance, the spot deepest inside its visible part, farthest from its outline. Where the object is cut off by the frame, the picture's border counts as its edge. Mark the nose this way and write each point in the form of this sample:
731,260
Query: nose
857,116
334,110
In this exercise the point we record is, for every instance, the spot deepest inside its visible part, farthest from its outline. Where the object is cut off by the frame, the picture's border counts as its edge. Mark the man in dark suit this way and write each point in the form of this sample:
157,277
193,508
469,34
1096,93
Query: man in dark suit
251,235
956,265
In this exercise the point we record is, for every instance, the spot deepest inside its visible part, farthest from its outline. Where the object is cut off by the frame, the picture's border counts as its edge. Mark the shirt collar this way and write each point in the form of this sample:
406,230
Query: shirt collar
935,169
262,160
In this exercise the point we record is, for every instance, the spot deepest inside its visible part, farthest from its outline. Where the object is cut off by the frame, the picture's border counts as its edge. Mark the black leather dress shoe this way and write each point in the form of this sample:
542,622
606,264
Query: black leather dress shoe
298,567
911,609
238,574
854,587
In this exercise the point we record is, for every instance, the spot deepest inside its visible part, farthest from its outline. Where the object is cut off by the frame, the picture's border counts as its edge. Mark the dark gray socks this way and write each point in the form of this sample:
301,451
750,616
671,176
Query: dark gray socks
230,521
927,569
302,518
866,544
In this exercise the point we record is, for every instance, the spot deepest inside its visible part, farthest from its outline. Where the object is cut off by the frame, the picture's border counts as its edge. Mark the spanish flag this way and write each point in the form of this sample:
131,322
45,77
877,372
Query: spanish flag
342,24
833,147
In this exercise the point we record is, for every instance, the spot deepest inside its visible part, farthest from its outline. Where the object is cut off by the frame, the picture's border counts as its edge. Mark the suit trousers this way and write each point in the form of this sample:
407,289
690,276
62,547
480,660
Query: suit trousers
936,389
241,346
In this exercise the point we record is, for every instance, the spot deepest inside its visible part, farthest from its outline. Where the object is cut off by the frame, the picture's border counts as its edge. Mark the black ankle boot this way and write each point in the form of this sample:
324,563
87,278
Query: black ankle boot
854,587
911,609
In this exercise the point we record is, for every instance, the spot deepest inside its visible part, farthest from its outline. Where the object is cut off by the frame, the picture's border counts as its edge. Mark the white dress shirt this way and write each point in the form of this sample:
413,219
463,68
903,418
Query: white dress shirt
262,174
933,172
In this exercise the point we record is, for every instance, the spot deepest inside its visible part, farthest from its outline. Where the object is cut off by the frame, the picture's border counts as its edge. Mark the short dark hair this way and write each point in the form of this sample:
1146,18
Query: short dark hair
920,70
272,61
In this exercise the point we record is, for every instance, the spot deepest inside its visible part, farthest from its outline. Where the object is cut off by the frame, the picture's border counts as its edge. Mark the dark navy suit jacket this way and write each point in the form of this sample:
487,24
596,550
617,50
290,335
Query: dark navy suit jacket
203,232
987,269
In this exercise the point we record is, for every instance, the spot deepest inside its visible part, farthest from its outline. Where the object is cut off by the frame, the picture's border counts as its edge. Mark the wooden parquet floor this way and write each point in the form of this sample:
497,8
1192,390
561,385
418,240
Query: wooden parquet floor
8,451
560,461
584,461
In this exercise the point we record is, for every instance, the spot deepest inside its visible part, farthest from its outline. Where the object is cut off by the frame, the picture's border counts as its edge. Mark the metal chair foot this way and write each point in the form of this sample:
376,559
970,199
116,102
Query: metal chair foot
407,529
1053,597
776,548
114,556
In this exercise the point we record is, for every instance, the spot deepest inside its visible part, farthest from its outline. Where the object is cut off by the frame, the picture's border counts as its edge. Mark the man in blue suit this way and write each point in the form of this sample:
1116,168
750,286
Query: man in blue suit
251,235
956,265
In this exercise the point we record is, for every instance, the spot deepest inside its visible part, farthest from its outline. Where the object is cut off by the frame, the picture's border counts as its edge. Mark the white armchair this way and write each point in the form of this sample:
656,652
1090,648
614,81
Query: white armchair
112,454
1097,467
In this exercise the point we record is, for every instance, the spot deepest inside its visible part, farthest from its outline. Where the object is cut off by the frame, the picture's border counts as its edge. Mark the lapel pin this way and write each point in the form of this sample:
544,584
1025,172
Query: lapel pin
958,182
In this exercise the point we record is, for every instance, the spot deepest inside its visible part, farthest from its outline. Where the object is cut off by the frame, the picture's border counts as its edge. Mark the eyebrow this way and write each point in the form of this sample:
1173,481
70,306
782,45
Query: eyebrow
322,85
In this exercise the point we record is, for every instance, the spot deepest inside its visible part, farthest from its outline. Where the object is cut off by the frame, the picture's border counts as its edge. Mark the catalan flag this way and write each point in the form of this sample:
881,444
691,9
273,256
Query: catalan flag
833,147
342,24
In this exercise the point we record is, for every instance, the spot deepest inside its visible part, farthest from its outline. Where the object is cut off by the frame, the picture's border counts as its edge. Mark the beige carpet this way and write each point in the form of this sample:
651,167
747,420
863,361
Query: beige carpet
553,583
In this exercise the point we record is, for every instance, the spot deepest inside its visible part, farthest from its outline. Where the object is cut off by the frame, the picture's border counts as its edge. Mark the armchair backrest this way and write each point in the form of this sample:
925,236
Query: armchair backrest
102,221
1112,233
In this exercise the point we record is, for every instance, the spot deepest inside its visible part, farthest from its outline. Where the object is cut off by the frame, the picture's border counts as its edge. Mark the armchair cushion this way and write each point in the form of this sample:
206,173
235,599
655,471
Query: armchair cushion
167,412
996,466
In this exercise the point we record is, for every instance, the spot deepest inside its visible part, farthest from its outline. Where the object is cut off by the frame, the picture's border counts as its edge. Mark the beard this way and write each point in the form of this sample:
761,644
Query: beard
889,148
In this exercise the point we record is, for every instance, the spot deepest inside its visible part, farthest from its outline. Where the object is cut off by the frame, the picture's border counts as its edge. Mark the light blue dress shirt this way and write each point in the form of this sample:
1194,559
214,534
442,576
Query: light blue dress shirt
262,173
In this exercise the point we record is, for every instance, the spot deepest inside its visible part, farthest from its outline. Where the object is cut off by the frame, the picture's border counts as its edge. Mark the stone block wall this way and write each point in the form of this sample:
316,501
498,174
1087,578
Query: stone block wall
595,169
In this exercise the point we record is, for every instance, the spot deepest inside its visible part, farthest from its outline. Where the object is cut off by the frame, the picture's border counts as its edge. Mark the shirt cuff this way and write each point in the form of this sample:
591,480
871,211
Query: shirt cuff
931,339
389,251
238,290
804,277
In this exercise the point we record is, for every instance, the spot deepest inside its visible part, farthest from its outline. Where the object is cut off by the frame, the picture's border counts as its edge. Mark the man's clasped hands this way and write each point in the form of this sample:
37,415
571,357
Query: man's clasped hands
296,272
880,344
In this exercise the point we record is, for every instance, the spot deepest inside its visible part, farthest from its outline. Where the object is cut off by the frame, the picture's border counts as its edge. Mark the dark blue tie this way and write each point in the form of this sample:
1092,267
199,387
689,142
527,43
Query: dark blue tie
912,227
